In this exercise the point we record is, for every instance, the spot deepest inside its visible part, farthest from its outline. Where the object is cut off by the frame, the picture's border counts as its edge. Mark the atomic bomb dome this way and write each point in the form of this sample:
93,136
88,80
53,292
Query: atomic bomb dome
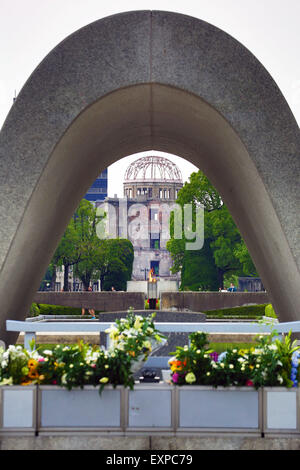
152,177
153,168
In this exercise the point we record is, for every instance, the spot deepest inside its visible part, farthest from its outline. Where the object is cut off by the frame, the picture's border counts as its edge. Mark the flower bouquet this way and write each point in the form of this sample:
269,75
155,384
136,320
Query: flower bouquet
137,336
271,362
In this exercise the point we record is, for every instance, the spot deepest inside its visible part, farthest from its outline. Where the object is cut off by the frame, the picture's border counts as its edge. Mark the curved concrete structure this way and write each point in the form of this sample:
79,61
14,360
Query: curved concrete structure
139,81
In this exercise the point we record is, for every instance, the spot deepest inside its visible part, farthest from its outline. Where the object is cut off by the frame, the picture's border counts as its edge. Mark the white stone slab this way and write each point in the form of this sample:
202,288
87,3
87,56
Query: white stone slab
281,410
18,408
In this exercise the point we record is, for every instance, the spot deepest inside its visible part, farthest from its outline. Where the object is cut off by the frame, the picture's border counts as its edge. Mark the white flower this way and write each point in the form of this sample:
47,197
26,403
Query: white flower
279,378
234,350
48,352
231,366
198,351
186,348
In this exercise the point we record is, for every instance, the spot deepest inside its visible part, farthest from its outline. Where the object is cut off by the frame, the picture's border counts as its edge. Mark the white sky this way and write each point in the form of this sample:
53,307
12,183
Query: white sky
29,29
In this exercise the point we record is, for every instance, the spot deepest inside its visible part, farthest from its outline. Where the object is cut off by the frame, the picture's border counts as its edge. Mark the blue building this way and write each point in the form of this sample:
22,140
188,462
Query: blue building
98,191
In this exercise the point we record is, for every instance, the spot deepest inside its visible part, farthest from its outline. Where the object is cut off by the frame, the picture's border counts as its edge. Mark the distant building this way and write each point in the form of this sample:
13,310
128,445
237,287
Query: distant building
250,284
98,191
153,183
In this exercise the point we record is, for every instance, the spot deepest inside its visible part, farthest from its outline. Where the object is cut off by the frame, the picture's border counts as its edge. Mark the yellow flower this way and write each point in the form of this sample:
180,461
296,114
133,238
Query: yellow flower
26,382
33,374
41,377
190,378
32,363
104,380
137,324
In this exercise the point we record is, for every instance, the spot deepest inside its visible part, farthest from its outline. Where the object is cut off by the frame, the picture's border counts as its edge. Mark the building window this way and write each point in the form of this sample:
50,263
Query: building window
154,214
155,241
155,266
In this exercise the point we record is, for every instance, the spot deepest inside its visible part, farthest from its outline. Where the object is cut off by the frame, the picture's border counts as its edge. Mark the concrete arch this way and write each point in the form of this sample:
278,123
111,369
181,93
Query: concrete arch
138,81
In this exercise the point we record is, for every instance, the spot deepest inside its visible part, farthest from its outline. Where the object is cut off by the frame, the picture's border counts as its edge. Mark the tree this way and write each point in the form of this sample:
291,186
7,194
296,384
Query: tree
67,253
116,261
86,220
79,244
224,252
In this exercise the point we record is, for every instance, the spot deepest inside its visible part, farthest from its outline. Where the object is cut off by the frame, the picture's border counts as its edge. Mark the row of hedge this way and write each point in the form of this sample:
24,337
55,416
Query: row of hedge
249,311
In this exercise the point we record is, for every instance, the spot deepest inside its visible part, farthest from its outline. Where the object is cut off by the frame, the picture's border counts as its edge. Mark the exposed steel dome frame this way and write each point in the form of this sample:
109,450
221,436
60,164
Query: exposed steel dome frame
153,168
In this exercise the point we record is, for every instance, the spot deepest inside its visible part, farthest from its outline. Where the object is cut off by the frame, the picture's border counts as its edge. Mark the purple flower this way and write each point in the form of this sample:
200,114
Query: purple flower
214,355
175,377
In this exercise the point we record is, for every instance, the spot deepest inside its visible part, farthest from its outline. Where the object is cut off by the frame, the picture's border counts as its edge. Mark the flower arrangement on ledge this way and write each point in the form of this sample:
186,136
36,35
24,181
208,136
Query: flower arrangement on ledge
272,362
135,335
133,339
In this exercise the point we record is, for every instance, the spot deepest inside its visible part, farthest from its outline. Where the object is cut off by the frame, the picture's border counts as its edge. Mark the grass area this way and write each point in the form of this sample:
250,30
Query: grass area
220,347
247,311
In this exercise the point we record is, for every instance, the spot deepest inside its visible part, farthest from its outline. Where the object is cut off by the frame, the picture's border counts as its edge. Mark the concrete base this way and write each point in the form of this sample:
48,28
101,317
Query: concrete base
147,442
93,338
162,286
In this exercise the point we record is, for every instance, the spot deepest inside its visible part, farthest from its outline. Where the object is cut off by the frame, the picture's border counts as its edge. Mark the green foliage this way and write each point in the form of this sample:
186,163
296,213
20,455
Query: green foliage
13,365
93,258
116,261
79,365
268,363
192,363
224,250
46,309
199,270
248,311
269,311
136,335
34,310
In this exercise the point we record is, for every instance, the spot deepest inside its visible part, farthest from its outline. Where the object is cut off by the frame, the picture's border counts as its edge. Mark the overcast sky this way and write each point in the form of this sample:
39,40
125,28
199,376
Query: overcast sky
29,29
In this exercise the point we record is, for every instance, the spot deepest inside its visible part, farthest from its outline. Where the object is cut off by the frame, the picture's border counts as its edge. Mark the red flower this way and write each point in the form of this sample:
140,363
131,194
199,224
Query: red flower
249,383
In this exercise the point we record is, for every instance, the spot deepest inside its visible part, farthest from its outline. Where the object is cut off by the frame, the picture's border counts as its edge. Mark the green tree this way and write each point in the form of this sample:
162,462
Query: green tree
86,220
67,253
109,260
79,244
115,263
224,251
